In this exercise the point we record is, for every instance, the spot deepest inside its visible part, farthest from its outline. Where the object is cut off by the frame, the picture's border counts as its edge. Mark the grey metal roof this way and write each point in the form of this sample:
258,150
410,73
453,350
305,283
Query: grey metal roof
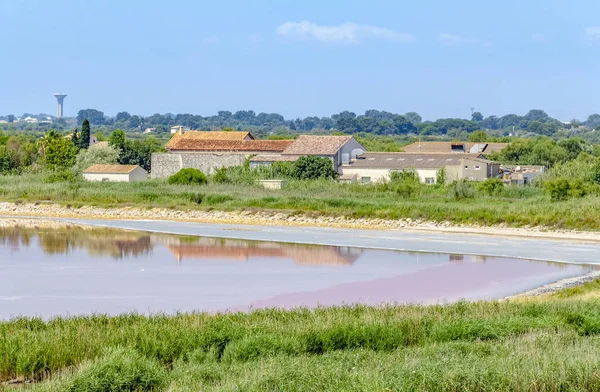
400,160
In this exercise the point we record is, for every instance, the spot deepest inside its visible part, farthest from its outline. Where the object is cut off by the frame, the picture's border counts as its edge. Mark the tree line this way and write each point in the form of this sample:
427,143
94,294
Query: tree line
534,122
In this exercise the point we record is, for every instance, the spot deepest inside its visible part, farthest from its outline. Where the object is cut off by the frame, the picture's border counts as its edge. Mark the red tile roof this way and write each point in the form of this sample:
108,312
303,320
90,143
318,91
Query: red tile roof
208,135
230,145
316,145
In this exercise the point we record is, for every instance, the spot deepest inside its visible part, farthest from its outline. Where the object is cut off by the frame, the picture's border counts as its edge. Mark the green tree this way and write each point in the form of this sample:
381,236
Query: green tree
478,137
477,117
312,167
117,139
94,116
93,156
535,127
60,154
84,138
414,118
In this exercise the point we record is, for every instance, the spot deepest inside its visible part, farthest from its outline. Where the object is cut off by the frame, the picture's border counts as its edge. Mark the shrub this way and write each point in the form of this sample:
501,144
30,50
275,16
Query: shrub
120,369
402,176
313,168
596,173
220,176
461,190
558,189
491,186
60,176
405,183
188,177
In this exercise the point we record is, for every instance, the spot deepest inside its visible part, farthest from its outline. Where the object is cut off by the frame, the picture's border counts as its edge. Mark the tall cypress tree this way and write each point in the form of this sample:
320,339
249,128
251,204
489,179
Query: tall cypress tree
75,138
84,138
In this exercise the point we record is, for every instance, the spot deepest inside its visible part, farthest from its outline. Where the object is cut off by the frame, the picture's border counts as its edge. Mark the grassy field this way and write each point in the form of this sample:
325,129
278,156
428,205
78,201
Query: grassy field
515,206
550,345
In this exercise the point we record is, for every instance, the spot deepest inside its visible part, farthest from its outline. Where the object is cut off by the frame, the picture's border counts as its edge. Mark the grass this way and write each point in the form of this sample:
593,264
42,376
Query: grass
550,345
516,206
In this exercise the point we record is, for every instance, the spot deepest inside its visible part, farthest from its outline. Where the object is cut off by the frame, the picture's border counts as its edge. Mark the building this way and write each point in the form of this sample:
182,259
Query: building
340,149
377,166
115,173
208,151
93,139
454,147
521,174
179,129
180,136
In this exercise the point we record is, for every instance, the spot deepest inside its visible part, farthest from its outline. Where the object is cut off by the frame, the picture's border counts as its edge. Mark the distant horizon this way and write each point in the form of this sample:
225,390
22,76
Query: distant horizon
468,117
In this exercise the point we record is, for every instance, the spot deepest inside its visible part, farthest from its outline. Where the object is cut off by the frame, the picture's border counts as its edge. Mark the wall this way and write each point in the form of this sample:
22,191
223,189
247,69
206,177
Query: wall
382,174
347,148
376,174
139,174
112,177
165,165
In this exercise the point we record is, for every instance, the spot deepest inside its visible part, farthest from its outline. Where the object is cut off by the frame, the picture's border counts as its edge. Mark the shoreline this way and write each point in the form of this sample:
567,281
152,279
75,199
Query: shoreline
36,210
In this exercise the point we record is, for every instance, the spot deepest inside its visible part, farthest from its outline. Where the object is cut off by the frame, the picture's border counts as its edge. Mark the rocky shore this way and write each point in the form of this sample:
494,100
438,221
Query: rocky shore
279,219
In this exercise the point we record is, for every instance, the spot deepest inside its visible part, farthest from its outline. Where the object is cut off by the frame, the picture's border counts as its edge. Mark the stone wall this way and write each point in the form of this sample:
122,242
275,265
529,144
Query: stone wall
165,165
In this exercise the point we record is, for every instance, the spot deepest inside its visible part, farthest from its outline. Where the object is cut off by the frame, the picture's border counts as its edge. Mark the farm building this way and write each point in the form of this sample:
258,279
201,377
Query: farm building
340,149
115,173
208,151
377,166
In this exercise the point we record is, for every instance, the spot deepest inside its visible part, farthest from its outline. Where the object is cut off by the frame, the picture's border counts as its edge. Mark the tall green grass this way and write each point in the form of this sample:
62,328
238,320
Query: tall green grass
485,346
514,206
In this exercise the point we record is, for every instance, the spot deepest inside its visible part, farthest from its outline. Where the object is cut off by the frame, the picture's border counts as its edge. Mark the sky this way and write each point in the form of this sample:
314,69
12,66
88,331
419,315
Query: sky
302,58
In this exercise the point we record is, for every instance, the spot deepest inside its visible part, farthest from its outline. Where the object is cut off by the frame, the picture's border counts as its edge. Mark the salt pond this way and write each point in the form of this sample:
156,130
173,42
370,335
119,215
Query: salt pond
50,272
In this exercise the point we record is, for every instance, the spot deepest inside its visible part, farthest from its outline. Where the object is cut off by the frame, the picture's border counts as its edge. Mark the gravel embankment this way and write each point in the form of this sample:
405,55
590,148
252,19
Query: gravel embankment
280,219
559,285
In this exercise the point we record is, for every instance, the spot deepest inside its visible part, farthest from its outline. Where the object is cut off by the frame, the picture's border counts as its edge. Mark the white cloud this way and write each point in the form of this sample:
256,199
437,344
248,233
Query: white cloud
212,40
458,40
345,33
593,32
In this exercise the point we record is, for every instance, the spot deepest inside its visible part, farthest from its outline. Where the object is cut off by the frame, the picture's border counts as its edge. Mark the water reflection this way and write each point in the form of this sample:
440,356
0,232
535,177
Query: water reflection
125,245
50,272
118,245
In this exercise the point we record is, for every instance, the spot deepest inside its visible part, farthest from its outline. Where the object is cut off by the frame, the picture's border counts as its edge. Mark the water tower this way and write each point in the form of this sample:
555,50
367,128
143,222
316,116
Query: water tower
60,99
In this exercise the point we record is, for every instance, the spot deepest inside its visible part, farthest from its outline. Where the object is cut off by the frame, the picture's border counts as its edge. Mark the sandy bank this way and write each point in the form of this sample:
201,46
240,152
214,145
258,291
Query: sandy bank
282,219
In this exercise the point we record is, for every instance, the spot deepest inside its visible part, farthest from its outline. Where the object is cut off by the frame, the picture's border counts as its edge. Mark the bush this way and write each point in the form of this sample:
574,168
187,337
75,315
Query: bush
405,183
188,177
313,168
60,176
491,186
596,173
220,176
461,190
120,369
558,189
562,189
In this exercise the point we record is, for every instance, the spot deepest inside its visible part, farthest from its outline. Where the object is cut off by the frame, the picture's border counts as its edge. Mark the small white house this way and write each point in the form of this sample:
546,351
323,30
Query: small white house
115,173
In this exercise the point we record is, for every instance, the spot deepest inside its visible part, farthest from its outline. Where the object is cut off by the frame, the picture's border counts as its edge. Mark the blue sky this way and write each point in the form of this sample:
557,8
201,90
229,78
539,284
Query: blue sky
302,58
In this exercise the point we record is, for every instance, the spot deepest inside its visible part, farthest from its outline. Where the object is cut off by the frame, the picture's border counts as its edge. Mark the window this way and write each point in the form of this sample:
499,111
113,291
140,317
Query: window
429,180
365,180
477,167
